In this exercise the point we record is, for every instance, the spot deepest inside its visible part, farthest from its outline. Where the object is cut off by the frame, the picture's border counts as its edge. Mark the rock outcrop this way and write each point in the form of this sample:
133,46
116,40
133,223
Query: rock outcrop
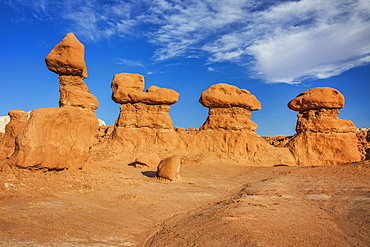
142,109
61,138
229,108
322,138
61,142
18,120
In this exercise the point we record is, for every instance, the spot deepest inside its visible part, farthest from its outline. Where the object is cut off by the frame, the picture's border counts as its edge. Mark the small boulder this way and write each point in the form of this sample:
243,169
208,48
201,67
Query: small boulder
125,83
317,98
222,95
169,168
67,57
149,160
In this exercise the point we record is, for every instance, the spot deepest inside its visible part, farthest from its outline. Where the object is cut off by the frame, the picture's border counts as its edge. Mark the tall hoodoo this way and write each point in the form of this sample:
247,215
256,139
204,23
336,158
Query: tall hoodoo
67,60
322,138
230,108
60,138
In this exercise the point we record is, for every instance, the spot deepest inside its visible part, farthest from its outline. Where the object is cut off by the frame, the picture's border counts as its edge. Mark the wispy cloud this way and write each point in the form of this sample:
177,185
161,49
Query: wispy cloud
131,63
279,41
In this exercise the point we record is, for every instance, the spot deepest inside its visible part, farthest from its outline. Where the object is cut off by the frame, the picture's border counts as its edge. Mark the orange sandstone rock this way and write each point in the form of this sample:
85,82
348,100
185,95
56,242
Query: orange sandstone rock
55,138
317,98
150,160
223,95
169,168
75,93
230,108
125,83
139,115
18,120
155,96
322,138
67,57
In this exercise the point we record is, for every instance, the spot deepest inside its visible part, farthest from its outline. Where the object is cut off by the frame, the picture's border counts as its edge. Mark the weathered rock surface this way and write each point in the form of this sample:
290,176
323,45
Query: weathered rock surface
155,96
149,160
55,138
223,95
139,115
75,93
226,147
323,120
125,83
230,108
142,109
317,98
67,57
322,138
18,120
233,118
169,168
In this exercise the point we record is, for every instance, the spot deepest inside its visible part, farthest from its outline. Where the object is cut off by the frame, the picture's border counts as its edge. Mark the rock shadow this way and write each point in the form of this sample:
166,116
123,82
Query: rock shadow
150,174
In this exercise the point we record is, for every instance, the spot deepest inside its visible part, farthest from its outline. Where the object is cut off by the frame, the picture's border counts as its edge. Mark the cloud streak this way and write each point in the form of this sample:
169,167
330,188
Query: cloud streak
278,41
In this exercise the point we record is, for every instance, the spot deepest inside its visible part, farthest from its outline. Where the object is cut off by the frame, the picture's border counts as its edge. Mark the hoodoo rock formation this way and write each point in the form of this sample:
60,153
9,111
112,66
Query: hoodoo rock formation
60,138
322,138
229,137
142,109
229,108
18,120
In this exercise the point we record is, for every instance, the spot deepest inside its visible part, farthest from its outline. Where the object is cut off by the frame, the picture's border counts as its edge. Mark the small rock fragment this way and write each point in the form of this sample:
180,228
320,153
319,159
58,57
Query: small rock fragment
150,160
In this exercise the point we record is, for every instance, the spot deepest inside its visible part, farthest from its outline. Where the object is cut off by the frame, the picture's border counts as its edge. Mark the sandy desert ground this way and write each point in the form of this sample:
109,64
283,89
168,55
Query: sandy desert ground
115,204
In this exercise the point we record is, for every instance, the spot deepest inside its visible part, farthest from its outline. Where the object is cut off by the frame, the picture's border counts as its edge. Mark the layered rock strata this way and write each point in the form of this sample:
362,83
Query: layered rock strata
61,138
18,120
322,138
230,108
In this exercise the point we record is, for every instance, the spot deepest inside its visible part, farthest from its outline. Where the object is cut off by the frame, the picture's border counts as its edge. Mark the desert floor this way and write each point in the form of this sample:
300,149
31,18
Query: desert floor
115,204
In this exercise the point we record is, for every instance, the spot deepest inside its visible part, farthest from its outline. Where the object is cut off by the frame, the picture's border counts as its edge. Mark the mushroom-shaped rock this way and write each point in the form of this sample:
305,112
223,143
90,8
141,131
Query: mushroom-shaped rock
125,83
155,96
322,138
317,98
222,95
150,160
67,57
169,168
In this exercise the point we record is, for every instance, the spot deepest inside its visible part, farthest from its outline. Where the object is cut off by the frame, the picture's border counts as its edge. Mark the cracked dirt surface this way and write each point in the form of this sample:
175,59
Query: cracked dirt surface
114,204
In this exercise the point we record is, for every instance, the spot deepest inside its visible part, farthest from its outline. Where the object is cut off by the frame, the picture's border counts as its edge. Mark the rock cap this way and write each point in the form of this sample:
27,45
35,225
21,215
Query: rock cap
67,57
223,95
125,83
317,98
155,96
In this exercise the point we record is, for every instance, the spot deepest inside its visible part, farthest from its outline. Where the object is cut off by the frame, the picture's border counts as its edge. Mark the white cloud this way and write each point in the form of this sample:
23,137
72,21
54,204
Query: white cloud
279,41
131,63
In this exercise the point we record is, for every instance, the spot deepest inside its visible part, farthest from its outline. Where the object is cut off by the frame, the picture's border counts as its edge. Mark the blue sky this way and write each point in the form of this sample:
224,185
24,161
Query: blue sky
274,49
